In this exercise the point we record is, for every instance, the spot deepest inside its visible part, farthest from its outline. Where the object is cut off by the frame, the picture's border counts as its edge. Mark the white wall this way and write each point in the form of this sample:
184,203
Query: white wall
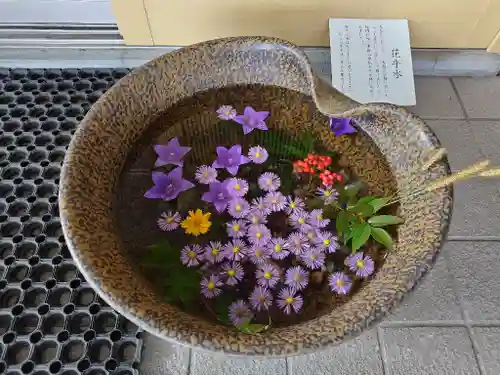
56,11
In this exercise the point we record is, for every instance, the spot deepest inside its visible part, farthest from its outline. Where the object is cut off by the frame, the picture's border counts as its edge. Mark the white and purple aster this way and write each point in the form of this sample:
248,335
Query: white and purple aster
258,254
297,243
267,275
289,301
269,181
261,298
210,286
205,174
233,273
235,250
252,119
293,204
296,278
328,195
278,247
326,241
361,264
299,220
226,112
311,235
258,154
191,255
169,221
313,258
258,234
275,200
259,205
213,252
237,228
255,217
340,283
240,313
317,220
237,186
238,208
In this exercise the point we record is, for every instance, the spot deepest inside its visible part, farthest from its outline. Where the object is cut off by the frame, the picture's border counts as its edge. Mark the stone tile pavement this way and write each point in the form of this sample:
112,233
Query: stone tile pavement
451,322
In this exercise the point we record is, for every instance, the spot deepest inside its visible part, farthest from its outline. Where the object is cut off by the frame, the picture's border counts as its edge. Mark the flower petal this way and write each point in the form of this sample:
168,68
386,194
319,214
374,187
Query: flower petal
186,185
156,192
160,178
233,170
176,174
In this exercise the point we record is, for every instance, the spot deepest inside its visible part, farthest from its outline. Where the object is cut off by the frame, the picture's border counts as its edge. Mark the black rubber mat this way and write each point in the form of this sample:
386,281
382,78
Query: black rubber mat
51,321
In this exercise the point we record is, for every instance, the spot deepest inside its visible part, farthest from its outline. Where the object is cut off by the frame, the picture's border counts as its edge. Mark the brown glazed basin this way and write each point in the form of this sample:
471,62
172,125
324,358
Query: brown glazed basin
112,145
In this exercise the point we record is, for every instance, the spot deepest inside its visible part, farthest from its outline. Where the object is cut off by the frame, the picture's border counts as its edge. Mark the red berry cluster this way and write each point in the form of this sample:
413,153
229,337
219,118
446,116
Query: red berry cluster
313,164
329,178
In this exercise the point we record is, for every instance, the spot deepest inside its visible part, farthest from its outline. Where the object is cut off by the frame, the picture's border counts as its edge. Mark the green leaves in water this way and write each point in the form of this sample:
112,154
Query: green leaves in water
180,284
252,329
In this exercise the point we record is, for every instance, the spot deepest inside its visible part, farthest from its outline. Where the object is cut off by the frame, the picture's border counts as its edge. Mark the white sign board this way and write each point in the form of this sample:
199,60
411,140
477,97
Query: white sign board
371,60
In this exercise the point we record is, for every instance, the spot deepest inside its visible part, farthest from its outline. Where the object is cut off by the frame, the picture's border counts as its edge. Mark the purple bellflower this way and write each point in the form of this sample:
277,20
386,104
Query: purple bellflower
341,126
219,195
251,119
172,153
231,159
168,185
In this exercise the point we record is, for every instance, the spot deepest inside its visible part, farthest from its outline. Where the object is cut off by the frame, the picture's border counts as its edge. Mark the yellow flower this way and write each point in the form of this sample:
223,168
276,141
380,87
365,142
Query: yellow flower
197,223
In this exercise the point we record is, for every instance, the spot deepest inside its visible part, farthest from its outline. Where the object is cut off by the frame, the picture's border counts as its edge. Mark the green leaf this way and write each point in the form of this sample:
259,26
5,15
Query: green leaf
342,223
381,236
221,307
366,199
363,209
360,234
294,151
350,192
378,203
347,235
384,220
252,329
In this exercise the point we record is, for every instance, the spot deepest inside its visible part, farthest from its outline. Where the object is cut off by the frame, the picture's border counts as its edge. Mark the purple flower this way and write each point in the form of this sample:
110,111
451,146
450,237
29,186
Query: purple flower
251,119
293,204
235,250
234,273
237,187
296,278
341,126
258,154
172,153
340,283
240,313
299,220
191,256
326,241
297,243
313,258
218,195
258,204
361,264
269,181
267,275
168,185
231,159
258,254
278,248
236,229
213,252
258,234
329,195
289,301
311,235
261,298
210,286
275,200
238,208
205,174
256,217
226,112
317,220
169,221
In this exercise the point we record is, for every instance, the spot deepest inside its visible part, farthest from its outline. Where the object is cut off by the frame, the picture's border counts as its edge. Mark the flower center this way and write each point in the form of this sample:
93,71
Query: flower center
220,196
255,220
326,242
236,227
275,201
301,220
205,174
269,181
258,235
236,249
268,275
211,285
230,160
313,257
237,187
258,154
170,219
238,207
192,254
319,217
289,300
262,298
231,273
215,251
310,235
360,263
169,188
258,252
339,282
172,154
277,247
293,205
296,277
328,193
